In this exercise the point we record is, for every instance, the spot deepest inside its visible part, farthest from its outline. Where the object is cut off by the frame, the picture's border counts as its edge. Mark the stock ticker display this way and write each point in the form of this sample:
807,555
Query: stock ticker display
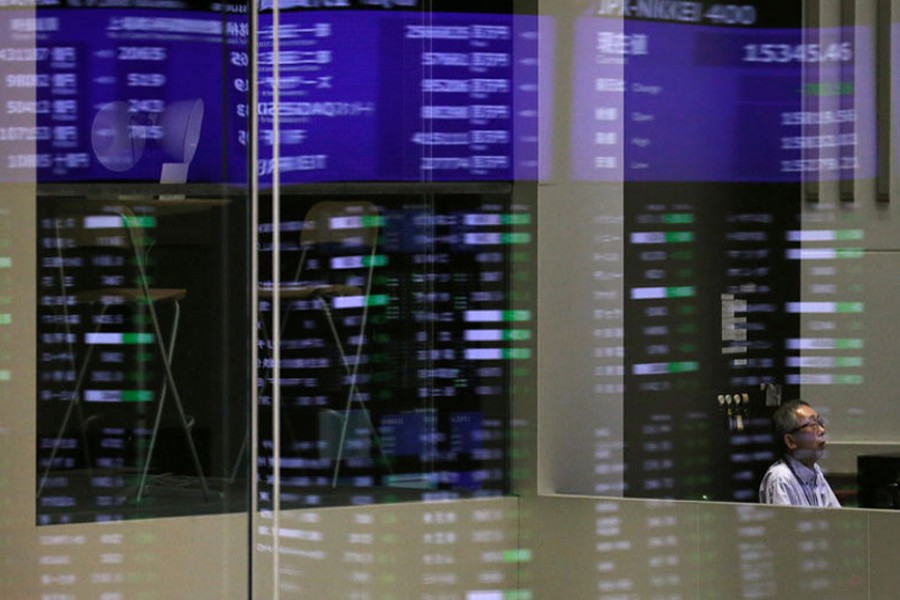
120,93
710,122
713,118
707,284
399,381
432,351
713,100
141,330
442,341
447,97
125,93
712,248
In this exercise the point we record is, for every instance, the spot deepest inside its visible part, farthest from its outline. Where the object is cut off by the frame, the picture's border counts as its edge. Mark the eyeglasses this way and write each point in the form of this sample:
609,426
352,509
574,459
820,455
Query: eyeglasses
816,421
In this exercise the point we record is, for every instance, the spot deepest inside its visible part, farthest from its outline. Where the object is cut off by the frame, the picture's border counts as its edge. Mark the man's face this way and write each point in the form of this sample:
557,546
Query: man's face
807,441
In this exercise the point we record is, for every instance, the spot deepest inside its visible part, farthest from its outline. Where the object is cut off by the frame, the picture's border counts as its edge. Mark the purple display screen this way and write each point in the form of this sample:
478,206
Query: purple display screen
130,95
401,97
157,95
676,102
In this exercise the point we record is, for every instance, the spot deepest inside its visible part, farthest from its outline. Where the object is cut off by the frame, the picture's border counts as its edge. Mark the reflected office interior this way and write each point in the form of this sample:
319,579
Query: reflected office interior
390,336
392,259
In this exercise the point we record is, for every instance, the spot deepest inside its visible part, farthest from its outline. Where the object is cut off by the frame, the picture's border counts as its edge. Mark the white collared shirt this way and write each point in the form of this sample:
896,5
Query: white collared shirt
788,481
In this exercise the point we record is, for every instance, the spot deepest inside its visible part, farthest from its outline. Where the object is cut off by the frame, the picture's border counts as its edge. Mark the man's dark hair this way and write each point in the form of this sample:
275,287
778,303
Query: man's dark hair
785,419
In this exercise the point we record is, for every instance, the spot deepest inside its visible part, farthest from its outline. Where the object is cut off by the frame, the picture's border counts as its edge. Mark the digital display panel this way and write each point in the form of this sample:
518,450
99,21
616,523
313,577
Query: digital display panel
713,127
141,323
709,282
130,95
397,374
663,101
161,95
450,97
395,370
731,288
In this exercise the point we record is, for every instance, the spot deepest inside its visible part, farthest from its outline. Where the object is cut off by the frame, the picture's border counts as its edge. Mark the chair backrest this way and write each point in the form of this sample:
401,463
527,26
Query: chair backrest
351,222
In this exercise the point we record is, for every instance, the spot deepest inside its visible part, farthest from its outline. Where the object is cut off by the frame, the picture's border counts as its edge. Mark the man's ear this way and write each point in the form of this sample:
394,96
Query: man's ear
789,442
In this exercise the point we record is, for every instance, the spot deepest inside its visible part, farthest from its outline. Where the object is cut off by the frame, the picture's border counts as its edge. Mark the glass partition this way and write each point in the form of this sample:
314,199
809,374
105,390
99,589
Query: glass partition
395,313
287,258
388,339
287,254
729,159
399,344
389,336
142,260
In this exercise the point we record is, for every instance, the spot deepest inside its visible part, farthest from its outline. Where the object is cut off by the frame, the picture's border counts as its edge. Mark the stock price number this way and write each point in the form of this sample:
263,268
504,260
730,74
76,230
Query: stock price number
731,14
798,53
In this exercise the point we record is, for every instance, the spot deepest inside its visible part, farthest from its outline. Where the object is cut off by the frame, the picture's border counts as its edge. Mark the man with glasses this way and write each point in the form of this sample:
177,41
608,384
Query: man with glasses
795,478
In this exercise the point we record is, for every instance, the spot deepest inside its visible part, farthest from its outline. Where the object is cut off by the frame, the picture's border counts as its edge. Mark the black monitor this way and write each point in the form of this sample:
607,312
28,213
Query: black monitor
878,477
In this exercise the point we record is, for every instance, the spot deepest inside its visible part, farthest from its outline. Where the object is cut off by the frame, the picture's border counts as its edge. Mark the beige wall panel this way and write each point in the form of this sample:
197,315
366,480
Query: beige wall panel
863,417
885,576
448,550
17,354
879,220
196,557
580,301
752,551
20,568
609,548
595,548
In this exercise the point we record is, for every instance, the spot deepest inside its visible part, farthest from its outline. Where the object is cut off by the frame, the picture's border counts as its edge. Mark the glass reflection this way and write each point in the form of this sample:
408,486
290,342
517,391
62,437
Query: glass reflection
399,343
389,336
450,95
705,144
142,221
717,124
394,374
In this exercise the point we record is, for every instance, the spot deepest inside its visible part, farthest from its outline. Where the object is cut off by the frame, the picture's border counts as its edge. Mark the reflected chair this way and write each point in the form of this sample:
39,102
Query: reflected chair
345,233
123,230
